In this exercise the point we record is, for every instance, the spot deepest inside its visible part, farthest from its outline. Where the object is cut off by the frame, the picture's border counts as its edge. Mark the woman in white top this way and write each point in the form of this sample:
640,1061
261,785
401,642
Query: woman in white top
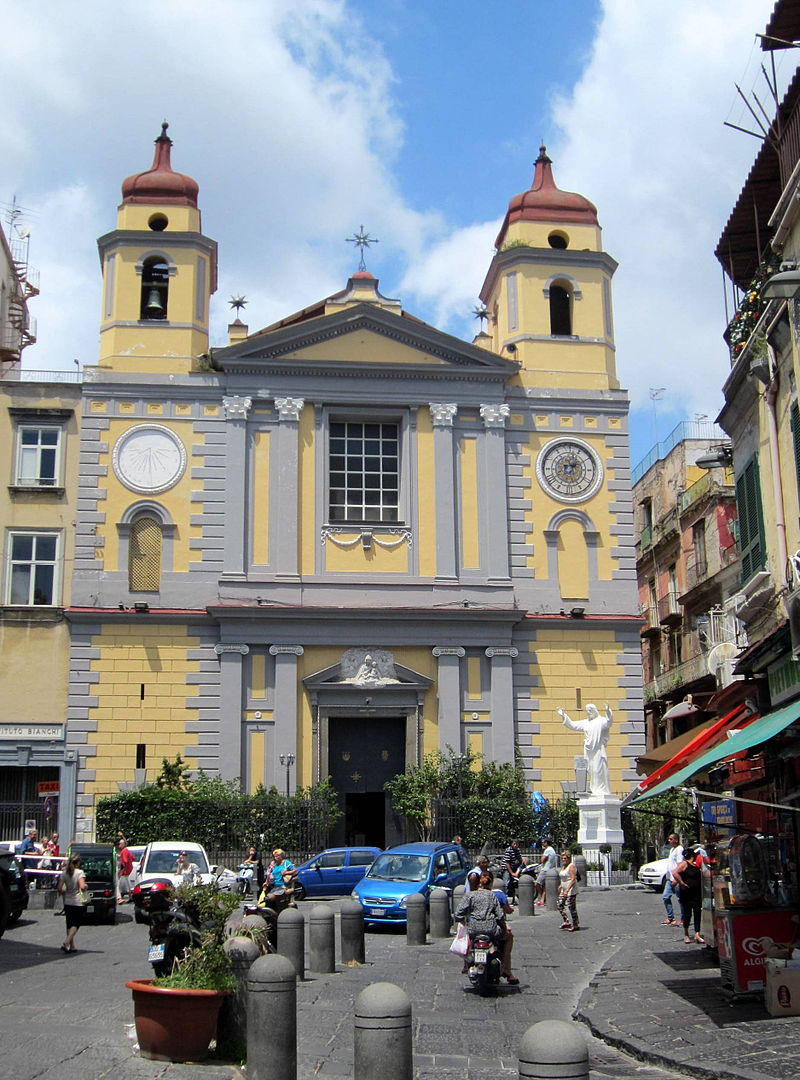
72,886
567,893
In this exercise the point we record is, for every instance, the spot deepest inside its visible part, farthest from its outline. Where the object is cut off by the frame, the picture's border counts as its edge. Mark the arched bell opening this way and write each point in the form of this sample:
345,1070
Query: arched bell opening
155,288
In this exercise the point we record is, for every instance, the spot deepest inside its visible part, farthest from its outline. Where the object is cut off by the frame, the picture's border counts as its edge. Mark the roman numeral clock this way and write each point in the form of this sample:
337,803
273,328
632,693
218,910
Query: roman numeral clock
569,470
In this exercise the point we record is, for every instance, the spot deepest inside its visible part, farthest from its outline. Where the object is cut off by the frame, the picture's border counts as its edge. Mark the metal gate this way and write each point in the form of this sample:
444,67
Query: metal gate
20,801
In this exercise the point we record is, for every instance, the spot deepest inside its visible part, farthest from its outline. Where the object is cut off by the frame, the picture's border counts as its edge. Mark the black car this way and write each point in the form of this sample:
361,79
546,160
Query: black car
99,867
13,892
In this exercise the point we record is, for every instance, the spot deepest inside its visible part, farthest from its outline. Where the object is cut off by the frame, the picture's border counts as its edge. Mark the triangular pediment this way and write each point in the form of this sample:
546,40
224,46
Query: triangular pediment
369,670
361,336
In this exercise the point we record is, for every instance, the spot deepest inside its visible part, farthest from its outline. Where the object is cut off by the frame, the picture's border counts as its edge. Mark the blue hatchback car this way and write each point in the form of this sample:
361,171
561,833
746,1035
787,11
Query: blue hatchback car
407,869
334,871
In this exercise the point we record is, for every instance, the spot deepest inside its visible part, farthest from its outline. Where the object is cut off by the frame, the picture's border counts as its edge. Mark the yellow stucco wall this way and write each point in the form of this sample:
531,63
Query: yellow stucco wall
565,658
119,498
153,656
365,347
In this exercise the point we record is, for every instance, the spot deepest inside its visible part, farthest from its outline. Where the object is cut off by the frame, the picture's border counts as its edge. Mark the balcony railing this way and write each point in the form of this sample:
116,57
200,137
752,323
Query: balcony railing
669,610
649,613
646,537
686,429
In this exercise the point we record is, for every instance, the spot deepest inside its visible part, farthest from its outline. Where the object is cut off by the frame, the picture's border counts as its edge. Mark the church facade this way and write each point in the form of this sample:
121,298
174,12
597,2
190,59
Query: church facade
349,539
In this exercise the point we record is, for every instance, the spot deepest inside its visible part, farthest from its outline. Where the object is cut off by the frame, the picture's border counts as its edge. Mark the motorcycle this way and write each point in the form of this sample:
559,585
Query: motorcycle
174,928
269,907
483,963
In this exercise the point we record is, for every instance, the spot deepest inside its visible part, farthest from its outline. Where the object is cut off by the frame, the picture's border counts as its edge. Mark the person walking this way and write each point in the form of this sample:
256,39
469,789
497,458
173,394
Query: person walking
548,862
671,886
72,886
689,878
125,869
567,893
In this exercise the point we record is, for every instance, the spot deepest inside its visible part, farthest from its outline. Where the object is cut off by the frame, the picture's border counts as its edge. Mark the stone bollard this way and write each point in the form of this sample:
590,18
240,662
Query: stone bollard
458,892
553,1050
232,1026
352,933
322,940
580,866
272,1019
417,917
440,913
551,886
525,895
498,883
383,1033
292,939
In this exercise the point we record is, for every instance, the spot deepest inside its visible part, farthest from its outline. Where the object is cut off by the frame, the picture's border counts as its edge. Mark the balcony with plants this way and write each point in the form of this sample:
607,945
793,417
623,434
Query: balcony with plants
752,307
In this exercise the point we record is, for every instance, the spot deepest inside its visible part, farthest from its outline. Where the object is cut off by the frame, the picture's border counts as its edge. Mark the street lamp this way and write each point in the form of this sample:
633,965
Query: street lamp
288,761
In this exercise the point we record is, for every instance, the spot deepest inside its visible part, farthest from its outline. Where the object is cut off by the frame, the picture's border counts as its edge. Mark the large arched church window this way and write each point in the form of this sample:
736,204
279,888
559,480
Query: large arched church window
560,311
155,288
145,554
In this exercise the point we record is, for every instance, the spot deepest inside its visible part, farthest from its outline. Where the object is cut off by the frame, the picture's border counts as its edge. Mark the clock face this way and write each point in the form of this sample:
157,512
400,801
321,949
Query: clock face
149,458
569,470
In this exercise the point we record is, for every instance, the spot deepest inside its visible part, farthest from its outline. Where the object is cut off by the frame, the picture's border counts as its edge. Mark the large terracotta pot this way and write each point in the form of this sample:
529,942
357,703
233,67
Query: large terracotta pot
174,1025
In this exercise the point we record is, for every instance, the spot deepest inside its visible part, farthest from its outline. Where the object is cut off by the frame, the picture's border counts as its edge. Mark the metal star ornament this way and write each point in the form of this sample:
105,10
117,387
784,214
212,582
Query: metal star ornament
362,240
237,302
480,311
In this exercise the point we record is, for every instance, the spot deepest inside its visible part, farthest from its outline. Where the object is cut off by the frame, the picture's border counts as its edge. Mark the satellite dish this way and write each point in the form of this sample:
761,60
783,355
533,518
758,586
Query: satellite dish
719,655
24,233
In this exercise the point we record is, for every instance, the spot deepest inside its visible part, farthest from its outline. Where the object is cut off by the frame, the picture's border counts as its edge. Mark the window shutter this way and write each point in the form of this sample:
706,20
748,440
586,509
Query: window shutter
144,555
751,521
795,424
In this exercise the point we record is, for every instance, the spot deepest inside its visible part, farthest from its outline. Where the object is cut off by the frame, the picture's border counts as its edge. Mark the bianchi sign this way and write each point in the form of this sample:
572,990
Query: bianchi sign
23,732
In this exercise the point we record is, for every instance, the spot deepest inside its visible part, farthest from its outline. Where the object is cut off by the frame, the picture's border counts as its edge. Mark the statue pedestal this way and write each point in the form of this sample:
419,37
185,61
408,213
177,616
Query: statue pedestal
599,821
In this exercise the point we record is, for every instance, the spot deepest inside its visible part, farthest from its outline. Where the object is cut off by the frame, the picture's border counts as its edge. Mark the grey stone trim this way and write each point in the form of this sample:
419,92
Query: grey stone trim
444,454
449,695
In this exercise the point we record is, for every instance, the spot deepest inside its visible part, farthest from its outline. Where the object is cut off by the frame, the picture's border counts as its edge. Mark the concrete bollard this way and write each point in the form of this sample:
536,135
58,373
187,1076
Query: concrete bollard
292,939
352,933
272,1019
498,883
321,940
580,866
417,917
232,1026
551,886
440,913
383,1033
458,892
525,895
553,1050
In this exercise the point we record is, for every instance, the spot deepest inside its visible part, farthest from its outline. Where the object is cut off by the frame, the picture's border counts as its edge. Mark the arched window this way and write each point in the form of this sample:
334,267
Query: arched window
155,288
144,554
560,311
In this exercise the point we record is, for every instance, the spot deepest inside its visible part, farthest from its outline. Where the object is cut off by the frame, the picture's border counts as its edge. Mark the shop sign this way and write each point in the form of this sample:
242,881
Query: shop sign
48,787
783,679
720,814
23,732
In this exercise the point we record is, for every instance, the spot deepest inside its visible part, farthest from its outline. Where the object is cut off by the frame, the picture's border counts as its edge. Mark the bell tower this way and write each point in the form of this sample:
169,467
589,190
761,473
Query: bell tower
159,272
548,289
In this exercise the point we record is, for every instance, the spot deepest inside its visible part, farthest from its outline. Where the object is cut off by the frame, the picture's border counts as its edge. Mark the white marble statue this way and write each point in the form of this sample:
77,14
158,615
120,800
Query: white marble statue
596,730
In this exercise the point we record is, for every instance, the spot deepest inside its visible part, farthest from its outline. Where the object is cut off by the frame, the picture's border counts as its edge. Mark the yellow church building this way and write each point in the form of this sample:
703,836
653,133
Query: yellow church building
349,538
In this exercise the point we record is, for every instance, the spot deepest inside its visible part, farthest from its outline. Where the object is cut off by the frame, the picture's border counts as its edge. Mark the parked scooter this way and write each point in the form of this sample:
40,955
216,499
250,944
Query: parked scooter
270,905
483,960
174,928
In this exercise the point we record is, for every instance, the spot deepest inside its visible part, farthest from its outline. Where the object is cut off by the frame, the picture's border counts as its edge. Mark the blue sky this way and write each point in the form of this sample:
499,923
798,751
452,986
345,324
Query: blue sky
420,120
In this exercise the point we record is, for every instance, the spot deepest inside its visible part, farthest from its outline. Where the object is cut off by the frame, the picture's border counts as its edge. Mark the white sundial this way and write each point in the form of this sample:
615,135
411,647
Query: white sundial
149,458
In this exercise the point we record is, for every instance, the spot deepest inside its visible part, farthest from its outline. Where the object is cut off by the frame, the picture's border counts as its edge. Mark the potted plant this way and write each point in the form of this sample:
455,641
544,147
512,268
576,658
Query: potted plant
176,1015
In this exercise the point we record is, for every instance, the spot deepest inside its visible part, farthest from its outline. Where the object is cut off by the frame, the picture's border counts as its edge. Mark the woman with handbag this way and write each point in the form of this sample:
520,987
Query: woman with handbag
72,886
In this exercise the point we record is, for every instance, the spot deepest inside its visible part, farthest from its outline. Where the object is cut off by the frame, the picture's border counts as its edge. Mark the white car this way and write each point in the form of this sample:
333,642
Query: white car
654,874
137,851
159,863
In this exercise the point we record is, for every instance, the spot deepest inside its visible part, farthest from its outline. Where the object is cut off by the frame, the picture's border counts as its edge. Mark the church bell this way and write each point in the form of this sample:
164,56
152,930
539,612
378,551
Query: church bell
154,309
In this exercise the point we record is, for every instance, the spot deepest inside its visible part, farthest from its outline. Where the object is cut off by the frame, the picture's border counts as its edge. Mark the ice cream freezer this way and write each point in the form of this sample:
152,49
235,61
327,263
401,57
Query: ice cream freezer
746,937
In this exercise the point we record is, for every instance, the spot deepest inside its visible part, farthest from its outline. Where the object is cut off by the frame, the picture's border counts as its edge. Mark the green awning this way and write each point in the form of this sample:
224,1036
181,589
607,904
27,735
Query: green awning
766,727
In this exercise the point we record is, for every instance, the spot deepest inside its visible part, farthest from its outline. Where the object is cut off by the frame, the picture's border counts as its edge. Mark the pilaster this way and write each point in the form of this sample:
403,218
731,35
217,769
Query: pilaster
502,702
443,415
231,658
284,511
236,411
286,728
449,694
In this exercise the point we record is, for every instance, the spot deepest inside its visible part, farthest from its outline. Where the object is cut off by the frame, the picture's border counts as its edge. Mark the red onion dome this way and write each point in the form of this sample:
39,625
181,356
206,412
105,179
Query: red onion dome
160,183
546,202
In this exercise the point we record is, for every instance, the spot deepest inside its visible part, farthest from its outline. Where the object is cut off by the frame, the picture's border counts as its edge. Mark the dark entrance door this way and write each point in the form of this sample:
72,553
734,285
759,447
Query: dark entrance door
363,753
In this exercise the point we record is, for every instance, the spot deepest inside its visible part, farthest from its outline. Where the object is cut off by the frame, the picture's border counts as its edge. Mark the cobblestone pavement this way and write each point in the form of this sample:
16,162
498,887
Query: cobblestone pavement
632,980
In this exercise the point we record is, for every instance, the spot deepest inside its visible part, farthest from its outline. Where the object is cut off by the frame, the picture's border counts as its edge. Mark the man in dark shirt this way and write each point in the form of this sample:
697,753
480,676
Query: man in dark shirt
513,863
